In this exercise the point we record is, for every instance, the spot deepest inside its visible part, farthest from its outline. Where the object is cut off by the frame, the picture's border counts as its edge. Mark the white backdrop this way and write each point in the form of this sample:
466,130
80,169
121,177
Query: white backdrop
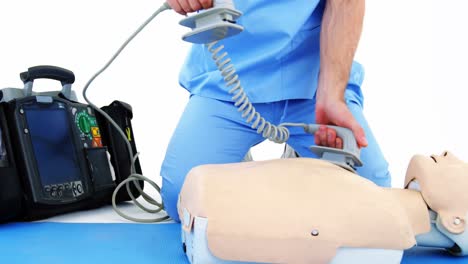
414,53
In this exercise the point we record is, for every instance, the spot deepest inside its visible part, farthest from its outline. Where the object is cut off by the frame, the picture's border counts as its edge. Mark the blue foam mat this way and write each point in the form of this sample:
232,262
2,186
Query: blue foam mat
51,243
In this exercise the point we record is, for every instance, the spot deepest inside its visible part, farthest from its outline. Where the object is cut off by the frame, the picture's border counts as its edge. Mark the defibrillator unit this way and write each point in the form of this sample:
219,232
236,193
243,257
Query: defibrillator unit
58,155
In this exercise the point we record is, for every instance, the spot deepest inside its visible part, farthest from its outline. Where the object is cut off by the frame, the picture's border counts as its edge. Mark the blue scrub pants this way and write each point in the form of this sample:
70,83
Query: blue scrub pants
213,132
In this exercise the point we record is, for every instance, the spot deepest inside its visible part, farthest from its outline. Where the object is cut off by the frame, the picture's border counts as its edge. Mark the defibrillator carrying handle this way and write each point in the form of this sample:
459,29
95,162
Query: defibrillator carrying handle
348,157
48,72
66,77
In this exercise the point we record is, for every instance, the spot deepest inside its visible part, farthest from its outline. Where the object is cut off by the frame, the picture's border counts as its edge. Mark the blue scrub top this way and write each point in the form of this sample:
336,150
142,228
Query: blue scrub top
277,56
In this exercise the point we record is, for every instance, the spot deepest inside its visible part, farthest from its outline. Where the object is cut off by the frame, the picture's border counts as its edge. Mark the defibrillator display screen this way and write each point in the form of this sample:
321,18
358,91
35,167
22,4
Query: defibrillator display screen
51,138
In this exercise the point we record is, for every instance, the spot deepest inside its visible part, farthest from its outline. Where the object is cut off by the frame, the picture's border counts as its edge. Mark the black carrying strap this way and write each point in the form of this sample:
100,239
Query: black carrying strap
122,114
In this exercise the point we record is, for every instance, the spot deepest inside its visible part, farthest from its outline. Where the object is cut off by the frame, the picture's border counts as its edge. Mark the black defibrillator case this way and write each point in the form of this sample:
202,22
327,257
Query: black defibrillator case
54,157
10,183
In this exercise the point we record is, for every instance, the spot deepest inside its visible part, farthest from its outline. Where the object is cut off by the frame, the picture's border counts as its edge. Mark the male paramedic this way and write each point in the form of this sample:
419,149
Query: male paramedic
295,61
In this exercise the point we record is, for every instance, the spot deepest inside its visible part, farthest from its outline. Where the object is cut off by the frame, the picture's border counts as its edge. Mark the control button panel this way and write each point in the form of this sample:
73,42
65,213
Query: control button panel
64,190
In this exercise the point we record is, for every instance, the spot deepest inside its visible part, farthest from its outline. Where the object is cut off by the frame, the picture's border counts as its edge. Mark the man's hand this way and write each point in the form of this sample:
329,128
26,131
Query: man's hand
335,112
187,6
341,29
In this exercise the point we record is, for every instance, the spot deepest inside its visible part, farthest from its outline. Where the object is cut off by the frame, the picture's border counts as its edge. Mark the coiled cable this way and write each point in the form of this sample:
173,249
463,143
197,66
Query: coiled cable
278,134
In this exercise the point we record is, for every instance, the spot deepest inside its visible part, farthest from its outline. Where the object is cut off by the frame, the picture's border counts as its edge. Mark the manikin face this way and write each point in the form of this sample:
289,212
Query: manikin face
444,185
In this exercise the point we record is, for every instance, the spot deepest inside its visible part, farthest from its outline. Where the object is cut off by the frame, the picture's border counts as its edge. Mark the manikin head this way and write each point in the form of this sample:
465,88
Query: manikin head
443,182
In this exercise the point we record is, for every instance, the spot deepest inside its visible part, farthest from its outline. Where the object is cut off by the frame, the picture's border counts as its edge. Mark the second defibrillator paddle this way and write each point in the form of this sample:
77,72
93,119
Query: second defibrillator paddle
348,157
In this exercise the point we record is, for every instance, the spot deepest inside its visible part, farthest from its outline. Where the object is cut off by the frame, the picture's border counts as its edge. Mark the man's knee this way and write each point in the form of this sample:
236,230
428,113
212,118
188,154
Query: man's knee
173,179
170,196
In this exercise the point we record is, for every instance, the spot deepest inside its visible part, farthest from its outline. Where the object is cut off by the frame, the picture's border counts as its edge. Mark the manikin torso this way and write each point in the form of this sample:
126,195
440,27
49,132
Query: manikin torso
277,211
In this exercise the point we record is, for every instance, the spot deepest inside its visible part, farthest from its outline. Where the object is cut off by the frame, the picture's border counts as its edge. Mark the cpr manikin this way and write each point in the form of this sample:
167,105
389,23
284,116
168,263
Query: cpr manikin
312,211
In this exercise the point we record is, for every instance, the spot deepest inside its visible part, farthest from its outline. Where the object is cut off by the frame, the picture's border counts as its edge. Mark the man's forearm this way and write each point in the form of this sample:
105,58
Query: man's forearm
339,38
